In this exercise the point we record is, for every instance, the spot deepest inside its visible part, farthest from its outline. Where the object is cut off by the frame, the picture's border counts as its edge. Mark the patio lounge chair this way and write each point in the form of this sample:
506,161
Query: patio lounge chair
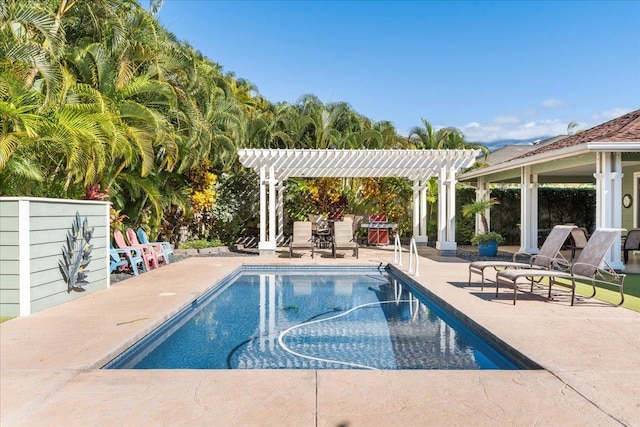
167,250
549,251
302,237
631,243
122,259
343,237
148,256
578,240
156,248
589,267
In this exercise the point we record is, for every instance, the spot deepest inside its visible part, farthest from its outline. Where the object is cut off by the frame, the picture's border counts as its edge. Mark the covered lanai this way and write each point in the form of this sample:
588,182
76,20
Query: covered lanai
275,166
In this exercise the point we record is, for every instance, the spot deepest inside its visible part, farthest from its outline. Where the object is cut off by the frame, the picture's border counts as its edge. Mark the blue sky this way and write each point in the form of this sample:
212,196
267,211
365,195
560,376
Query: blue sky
495,70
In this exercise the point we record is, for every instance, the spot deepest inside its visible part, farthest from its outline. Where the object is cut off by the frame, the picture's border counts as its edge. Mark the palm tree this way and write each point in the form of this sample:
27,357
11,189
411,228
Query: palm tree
30,44
480,207
428,138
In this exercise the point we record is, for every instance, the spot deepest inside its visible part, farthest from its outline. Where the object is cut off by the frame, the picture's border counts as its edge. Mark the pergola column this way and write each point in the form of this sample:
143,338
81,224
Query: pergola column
608,199
280,211
423,238
416,209
528,211
267,245
420,212
446,243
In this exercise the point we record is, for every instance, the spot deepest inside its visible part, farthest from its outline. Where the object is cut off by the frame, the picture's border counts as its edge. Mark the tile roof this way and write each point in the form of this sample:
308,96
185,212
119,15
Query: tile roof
622,129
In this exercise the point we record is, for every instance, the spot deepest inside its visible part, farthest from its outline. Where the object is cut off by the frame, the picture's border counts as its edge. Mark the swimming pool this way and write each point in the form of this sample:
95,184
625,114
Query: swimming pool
313,318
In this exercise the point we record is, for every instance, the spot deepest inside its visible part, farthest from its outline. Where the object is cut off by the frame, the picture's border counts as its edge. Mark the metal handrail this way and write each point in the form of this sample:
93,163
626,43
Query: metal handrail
413,249
397,251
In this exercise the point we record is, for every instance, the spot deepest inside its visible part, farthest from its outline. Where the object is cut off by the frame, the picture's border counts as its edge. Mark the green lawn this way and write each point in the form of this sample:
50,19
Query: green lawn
631,292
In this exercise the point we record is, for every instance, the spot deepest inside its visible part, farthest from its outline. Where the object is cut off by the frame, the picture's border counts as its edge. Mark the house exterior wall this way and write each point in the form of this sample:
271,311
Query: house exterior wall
628,188
9,259
33,282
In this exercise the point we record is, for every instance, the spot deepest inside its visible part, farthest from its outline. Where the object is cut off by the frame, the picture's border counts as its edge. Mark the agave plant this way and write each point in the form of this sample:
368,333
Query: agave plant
77,255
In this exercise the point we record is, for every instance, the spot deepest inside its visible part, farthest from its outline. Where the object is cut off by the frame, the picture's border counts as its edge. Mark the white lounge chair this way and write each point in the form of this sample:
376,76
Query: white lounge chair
589,267
343,237
302,237
548,253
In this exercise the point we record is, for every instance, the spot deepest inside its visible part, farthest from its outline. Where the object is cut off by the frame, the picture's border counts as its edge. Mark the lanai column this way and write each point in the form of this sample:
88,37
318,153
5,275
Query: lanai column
482,193
528,211
608,199
446,243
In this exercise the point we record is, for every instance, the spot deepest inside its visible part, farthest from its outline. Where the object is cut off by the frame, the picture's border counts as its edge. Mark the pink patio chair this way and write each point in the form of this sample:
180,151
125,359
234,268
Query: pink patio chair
156,248
148,256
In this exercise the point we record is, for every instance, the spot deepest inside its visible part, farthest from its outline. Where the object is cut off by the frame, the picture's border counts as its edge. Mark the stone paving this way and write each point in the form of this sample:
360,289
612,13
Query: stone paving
50,362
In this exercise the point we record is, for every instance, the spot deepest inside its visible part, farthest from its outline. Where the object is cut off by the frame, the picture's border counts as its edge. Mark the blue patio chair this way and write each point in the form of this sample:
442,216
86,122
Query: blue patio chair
167,250
125,258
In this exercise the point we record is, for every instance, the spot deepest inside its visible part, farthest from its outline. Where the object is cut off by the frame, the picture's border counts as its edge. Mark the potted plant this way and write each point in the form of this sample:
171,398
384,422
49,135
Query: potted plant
487,241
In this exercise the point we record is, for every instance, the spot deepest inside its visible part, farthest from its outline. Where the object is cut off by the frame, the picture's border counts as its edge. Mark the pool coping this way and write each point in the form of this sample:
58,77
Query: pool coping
49,359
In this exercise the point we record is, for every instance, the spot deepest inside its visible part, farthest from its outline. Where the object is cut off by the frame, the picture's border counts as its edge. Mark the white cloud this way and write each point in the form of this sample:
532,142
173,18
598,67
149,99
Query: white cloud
513,128
525,127
505,120
611,114
552,103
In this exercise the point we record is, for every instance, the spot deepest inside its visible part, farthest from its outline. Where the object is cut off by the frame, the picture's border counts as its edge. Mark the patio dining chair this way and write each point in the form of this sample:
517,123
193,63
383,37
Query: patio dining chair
549,253
631,243
323,232
590,267
578,240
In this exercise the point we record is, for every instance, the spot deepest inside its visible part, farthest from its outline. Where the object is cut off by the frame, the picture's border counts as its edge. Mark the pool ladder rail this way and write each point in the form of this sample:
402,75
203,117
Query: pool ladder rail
397,251
413,251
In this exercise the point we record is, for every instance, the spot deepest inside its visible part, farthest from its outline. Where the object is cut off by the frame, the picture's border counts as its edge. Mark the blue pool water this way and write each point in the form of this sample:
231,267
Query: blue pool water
313,318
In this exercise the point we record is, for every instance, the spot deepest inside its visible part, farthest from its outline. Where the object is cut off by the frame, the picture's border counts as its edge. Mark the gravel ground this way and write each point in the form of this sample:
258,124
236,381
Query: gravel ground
470,253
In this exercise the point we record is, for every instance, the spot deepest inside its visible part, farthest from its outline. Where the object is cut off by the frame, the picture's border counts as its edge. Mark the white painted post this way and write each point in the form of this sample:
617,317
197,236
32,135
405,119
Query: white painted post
481,194
24,262
423,238
608,199
280,210
416,208
442,205
528,210
451,207
263,207
272,207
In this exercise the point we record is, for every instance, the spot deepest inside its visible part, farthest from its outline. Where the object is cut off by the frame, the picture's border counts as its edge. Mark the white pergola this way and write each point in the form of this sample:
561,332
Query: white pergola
275,166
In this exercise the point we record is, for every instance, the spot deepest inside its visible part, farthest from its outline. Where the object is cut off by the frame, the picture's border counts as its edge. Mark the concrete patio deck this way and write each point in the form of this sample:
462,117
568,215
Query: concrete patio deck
50,363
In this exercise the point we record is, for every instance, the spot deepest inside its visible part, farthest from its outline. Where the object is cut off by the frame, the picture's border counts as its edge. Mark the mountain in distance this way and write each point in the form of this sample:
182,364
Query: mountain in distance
499,143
